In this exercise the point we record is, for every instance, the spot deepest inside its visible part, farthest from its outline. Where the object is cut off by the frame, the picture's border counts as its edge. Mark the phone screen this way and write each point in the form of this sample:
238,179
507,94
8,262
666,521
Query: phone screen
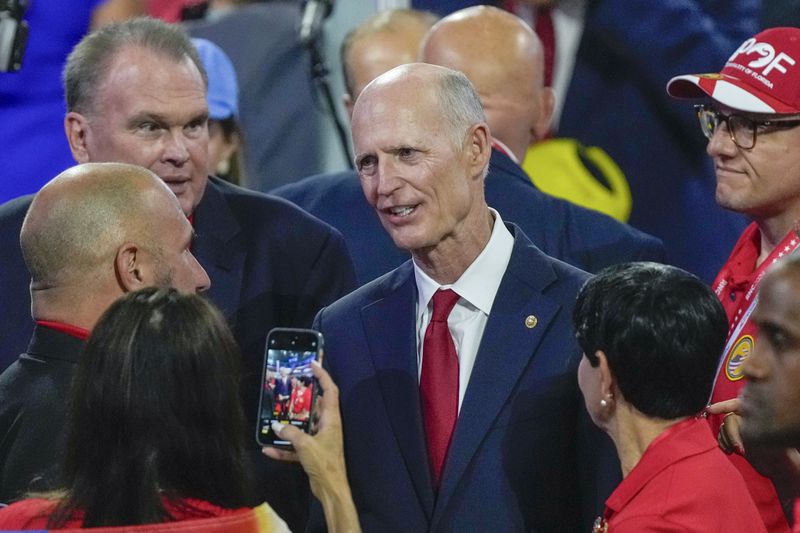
288,387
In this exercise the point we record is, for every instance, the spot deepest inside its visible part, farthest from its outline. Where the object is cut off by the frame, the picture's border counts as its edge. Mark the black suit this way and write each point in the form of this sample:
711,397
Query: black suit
15,303
581,237
33,393
270,264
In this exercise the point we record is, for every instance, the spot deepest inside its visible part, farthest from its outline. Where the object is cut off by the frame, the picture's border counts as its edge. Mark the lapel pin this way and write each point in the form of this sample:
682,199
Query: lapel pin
531,321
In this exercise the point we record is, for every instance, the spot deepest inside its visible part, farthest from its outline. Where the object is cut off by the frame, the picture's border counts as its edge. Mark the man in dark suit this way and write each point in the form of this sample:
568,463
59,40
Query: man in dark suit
518,115
463,419
92,234
136,92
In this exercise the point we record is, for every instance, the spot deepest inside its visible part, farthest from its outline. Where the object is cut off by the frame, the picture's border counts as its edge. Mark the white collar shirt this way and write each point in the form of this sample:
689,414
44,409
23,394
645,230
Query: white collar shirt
477,288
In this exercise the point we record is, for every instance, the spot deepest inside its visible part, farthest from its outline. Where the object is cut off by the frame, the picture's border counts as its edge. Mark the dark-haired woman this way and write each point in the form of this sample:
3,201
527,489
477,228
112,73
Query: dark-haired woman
155,433
651,337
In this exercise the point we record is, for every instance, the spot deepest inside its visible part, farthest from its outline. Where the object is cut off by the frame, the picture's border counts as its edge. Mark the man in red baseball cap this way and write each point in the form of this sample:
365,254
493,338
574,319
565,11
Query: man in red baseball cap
751,117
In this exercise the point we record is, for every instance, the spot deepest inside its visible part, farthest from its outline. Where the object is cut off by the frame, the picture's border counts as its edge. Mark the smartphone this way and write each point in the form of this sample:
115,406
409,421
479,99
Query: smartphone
288,387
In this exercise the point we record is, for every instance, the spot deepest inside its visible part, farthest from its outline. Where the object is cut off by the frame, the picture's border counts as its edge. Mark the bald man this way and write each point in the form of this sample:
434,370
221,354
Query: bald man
503,58
382,42
578,236
457,370
93,233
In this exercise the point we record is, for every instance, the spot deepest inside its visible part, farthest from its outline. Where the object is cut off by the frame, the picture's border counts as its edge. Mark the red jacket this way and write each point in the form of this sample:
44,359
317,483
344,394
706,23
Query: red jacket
683,482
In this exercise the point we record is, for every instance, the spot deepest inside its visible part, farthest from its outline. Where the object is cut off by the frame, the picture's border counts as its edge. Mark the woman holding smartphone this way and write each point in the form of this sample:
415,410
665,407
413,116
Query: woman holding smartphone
156,428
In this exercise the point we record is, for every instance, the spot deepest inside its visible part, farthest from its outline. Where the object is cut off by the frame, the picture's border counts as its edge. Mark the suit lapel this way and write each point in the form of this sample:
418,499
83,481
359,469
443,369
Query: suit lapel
390,324
507,348
218,249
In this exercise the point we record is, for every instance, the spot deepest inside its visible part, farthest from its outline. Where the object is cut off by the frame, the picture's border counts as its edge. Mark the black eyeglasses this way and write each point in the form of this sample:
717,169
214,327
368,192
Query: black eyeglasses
743,130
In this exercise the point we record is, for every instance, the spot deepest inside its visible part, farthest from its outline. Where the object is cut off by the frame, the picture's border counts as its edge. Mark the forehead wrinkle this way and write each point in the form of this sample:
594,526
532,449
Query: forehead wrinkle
141,74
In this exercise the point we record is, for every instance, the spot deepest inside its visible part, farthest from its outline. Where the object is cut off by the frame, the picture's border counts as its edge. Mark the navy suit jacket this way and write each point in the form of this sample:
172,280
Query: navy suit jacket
517,461
15,298
586,239
270,264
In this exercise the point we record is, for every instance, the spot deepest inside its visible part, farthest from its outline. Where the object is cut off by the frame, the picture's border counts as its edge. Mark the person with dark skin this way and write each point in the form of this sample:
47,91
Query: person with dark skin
749,112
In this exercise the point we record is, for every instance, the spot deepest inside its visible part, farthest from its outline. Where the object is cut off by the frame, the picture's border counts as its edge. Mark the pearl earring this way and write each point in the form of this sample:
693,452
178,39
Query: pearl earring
603,403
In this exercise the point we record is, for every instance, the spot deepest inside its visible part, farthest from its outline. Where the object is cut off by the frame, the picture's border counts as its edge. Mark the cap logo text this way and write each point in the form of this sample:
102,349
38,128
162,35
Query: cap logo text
768,61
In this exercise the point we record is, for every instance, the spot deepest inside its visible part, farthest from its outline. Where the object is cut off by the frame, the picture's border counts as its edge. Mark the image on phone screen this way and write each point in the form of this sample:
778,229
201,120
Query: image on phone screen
288,384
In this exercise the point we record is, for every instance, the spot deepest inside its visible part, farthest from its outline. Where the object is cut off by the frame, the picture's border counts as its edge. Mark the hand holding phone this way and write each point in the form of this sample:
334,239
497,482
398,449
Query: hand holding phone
288,385
322,458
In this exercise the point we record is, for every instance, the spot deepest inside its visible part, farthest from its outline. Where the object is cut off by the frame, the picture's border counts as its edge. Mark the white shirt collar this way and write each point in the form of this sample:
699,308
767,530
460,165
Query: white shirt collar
479,283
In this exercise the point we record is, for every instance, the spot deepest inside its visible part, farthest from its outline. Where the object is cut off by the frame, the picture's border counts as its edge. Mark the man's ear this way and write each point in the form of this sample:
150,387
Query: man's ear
348,102
76,126
478,148
541,127
128,264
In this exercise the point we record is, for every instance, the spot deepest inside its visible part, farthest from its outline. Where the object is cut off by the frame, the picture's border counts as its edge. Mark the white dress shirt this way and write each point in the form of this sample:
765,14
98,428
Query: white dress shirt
477,288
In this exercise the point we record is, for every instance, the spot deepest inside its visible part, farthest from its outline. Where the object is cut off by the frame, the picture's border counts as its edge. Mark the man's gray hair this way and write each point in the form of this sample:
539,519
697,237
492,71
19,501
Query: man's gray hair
460,104
89,61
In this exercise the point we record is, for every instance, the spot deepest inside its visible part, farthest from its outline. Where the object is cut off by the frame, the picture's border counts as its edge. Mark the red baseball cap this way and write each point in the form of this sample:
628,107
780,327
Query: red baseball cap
762,76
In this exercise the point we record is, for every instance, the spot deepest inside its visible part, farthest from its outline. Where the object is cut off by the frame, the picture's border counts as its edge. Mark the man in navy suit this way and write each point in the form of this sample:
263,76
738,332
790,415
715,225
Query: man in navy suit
469,421
579,236
136,93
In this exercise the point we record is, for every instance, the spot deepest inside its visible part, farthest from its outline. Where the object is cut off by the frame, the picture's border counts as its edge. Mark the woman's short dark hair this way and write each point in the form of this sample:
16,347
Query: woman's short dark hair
662,330
155,413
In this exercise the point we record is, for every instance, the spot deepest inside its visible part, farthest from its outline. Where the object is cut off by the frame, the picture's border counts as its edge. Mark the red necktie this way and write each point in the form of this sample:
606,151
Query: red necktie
439,382
546,32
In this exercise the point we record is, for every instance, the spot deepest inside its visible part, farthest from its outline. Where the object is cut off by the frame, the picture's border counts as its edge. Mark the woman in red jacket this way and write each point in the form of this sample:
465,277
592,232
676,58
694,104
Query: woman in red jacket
651,336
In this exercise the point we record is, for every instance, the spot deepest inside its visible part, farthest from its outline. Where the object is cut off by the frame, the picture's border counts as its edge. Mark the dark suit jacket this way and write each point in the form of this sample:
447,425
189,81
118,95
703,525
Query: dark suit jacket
270,264
33,393
583,238
517,460
15,298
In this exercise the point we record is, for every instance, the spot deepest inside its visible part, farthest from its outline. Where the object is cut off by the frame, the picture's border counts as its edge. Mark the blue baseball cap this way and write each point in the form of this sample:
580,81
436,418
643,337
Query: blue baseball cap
223,90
